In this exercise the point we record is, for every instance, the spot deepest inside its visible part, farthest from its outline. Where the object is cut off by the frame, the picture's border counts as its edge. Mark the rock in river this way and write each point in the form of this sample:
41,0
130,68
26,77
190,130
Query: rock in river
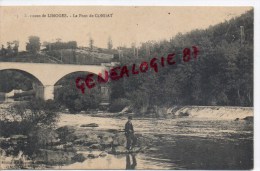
103,154
78,158
95,146
91,155
249,118
89,125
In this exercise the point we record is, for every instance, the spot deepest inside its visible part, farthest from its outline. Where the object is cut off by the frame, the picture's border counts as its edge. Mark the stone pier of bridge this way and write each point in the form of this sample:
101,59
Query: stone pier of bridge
45,92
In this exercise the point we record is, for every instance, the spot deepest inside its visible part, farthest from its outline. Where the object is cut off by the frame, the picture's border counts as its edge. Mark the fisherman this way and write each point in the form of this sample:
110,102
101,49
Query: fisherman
129,133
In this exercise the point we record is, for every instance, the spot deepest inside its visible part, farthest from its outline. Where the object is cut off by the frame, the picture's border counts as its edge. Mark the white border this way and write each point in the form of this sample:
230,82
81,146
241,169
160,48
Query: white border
254,3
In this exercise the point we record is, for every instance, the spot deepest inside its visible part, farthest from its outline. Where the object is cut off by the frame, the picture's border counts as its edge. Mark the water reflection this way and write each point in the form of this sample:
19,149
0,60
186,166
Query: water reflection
173,144
130,165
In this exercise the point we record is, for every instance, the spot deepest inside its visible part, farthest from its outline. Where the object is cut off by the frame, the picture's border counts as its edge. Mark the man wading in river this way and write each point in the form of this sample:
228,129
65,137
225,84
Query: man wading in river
129,133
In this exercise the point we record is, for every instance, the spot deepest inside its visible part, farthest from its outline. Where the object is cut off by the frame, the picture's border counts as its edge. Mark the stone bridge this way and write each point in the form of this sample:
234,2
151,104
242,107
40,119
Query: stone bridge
49,74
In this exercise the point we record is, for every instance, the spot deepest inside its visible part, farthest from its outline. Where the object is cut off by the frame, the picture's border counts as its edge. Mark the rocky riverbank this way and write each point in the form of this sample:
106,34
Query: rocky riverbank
70,144
81,138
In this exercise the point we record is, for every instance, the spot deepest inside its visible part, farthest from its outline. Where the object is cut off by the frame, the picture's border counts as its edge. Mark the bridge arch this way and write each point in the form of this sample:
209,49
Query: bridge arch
24,72
69,79
34,84
102,88
80,72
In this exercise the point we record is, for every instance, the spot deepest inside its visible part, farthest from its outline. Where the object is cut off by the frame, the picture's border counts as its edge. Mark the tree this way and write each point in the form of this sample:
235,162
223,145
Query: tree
16,46
9,48
58,40
34,44
109,43
3,50
72,98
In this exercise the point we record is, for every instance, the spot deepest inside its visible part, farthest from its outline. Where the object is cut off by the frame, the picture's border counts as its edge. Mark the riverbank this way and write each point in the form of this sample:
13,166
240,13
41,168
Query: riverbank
81,140
168,143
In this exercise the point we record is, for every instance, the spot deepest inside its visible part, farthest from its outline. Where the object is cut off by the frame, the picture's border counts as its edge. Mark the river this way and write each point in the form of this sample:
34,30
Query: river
181,143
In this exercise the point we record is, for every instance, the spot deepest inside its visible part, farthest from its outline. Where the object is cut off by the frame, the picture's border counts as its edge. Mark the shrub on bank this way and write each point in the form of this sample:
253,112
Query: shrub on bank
34,121
140,101
118,105
25,117
70,97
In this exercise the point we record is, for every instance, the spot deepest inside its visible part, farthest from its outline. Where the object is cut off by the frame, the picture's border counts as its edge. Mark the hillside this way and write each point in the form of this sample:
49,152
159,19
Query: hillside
221,75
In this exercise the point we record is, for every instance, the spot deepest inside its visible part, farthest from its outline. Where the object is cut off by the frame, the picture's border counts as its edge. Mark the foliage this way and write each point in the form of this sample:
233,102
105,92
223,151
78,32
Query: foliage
71,97
11,50
222,74
34,120
20,80
34,44
25,117
139,101
118,105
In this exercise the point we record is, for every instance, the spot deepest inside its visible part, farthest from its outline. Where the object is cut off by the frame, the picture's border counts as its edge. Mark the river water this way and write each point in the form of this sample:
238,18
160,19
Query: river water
181,143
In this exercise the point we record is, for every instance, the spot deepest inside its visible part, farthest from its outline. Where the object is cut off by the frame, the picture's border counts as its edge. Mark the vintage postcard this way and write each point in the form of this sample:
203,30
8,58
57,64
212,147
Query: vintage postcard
126,87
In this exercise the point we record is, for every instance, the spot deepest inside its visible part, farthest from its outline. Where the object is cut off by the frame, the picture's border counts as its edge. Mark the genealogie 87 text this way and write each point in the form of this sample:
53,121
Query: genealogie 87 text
118,72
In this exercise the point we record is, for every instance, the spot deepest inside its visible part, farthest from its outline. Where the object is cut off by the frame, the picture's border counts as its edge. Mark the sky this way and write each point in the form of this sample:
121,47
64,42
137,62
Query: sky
126,26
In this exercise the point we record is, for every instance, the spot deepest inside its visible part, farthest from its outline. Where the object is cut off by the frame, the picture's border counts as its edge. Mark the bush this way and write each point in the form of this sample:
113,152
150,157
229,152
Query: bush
140,101
36,120
23,118
8,128
75,101
118,105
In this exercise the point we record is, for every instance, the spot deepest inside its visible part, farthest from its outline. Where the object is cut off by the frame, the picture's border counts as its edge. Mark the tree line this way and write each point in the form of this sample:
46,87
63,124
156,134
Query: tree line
221,75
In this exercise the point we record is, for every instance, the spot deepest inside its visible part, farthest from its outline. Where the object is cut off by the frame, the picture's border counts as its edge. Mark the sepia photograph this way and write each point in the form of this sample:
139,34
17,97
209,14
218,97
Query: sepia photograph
127,87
